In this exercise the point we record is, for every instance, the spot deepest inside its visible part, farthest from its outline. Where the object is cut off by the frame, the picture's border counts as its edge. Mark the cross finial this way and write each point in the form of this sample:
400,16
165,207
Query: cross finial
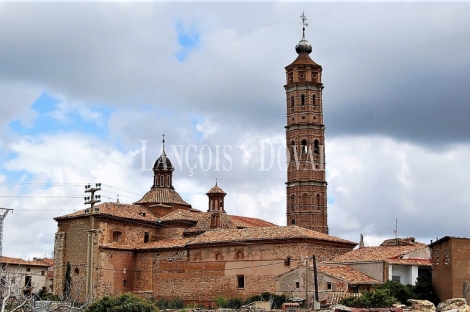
163,140
304,23
215,181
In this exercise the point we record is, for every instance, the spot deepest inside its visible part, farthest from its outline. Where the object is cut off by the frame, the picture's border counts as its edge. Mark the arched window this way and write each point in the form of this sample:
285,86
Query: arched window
292,202
117,237
304,146
316,146
168,181
318,200
314,97
292,149
218,256
292,102
305,200
162,181
240,254
293,222
302,97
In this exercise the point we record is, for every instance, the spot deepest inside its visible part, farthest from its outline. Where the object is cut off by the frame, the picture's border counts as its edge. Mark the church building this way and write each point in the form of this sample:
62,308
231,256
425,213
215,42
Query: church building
162,247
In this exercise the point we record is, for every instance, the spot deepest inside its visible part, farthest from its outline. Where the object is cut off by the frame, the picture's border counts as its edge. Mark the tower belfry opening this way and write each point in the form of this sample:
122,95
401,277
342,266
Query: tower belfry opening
306,184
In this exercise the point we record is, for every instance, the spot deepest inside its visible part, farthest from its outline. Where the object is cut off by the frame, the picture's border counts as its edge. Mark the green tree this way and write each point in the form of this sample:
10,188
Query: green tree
424,290
398,290
67,282
380,298
122,303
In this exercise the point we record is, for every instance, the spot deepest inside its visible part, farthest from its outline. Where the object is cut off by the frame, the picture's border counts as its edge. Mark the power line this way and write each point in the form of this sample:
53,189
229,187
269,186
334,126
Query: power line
42,196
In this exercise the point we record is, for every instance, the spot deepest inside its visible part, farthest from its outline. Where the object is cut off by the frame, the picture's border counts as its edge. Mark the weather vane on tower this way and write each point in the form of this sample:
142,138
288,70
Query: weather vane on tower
304,23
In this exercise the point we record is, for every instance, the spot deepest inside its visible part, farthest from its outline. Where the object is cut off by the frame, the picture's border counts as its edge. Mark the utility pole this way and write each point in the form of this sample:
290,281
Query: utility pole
3,214
91,200
315,279
306,281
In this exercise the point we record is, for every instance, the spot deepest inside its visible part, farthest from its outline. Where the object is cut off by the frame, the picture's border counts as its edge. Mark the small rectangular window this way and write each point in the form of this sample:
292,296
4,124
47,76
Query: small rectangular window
146,237
297,285
240,281
43,273
329,286
124,282
28,269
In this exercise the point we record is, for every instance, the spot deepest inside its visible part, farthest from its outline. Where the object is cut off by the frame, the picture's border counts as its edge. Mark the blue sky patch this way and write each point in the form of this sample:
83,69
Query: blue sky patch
330,200
188,40
52,119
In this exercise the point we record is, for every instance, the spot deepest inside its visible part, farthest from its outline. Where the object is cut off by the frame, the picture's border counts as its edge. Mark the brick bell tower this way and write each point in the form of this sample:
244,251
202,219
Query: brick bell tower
305,141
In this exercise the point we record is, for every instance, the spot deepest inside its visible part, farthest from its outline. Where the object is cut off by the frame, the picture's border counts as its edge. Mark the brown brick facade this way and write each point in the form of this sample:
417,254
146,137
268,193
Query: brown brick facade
305,141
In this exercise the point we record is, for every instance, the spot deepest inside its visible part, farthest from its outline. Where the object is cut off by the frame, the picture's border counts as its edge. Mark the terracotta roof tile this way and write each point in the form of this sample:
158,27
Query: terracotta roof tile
46,262
418,262
245,222
182,215
347,274
125,211
335,298
264,233
303,59
216,190
161,195
167,243
204,223
377,253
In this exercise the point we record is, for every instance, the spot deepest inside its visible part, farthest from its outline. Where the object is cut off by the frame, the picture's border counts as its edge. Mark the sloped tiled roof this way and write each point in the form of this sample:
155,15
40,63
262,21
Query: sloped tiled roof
264,233
216,190
204,223
418,262
303,59
162,195
125,211
335,298
45,262
167,243
377,253
182,215
348,274
246,222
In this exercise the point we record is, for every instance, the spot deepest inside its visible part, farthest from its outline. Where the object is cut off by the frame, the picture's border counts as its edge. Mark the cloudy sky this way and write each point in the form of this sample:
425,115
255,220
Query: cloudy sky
87,89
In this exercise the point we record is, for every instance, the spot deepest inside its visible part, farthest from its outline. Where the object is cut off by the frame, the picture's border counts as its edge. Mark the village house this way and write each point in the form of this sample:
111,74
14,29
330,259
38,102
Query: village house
27,276
450,267
333,280
399,259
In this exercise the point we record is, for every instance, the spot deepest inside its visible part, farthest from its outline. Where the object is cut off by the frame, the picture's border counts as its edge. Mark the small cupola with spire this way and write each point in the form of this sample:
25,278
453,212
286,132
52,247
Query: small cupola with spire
163,170
216,199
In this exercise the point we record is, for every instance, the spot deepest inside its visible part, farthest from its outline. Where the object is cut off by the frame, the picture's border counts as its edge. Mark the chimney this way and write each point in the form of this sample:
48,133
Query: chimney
361,243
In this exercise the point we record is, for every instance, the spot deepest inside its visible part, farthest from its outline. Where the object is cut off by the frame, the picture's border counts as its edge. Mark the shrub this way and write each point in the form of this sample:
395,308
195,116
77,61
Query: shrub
396,289
163,304
122,303
234,303
221,301
277,300
380,298
424,289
